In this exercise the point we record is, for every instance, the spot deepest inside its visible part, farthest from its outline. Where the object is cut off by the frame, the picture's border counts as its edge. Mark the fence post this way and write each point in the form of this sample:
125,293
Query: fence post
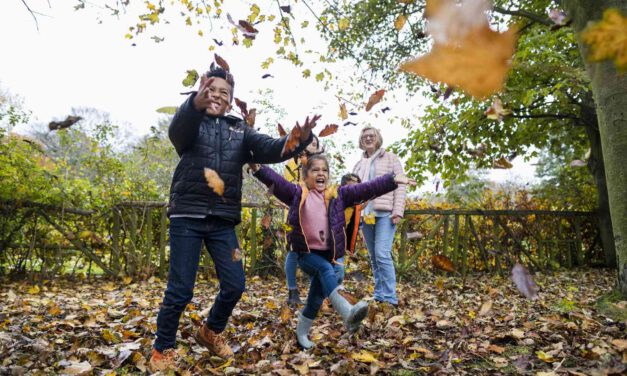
115,241
497,250
148,239
162,232
456,238
577,223
252,232
132,251
402,251
445,236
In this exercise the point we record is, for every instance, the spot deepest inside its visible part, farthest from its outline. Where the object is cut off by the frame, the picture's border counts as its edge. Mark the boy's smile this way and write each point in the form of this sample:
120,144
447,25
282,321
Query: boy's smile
219,94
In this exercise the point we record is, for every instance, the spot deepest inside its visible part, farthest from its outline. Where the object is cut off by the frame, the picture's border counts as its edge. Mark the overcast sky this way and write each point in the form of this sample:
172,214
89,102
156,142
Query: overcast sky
74,61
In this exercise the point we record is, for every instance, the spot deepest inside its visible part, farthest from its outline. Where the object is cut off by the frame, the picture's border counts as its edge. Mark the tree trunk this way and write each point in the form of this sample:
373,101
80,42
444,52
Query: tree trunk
610,94
597,169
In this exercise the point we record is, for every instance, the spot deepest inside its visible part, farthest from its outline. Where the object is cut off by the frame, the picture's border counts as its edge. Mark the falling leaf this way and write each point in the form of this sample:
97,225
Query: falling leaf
243,107
157,39
608,38
486,307
293,140
250,118
219,43
214,181
496,110
524,282
349,123
282,131
191,78
399,22
478,64
248,26
502,163
286,8
447,93
236,254
415,235
364,356
328,130
68,122
286,313
267,75
343,111
222,63
170,110
374,99
578,163
443,263
386,109
558,16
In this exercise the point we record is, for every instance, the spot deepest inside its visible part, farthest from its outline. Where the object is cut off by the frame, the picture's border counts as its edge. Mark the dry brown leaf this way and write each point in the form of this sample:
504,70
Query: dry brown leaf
222,63
328,130
343,111
286,313
478,64
282,131
496,110
374,99
243,107
293,140
265,221
502,163
236,254
351,299
250,118
443,263
214,181
400,22
485,307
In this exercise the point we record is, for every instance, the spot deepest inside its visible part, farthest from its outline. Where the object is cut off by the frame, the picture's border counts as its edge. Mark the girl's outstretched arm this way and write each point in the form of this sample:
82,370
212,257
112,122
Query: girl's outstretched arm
279,187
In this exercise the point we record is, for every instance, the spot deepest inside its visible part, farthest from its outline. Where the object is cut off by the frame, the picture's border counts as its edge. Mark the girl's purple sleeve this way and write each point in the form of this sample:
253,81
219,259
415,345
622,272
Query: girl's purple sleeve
356,193
281,188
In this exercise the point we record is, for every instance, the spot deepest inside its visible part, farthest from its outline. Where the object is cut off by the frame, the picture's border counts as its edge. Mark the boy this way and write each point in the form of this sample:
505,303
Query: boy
204,137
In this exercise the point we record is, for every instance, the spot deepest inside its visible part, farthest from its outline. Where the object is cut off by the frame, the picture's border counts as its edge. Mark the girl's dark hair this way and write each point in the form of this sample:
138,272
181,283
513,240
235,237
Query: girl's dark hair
311,159
350,177
215,71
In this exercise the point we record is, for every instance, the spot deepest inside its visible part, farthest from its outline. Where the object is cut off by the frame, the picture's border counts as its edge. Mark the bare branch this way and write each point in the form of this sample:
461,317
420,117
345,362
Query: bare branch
32,13
525,14
551,116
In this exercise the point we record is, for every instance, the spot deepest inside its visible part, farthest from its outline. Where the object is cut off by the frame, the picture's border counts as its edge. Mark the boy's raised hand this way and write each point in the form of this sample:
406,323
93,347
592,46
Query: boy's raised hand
402,179
202,99
308,126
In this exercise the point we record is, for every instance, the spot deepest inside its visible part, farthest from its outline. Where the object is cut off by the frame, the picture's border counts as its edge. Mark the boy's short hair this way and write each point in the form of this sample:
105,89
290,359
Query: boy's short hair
215,71
350,177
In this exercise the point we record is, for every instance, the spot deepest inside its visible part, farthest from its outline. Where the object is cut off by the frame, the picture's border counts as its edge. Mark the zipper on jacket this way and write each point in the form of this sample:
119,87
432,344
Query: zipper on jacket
300,204
218,138
331,228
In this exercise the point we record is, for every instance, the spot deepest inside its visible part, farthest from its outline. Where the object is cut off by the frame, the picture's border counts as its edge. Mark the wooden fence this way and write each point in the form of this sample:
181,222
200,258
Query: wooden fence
132,237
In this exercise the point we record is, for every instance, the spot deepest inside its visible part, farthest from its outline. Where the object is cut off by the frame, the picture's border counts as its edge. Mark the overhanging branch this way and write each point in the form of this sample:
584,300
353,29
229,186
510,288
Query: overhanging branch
523,13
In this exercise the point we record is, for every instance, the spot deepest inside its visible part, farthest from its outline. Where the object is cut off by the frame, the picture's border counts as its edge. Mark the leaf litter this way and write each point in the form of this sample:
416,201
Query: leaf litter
482,325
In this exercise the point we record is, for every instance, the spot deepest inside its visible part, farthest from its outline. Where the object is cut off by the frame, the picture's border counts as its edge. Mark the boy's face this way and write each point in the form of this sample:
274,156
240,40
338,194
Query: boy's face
351,181
220,96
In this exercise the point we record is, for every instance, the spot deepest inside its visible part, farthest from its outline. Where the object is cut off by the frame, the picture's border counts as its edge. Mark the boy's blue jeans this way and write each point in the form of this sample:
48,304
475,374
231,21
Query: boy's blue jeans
186,238
379,239
324,276
291,263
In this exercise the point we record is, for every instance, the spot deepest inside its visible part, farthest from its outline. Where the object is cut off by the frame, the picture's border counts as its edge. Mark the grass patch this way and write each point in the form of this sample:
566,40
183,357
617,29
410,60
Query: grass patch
606,305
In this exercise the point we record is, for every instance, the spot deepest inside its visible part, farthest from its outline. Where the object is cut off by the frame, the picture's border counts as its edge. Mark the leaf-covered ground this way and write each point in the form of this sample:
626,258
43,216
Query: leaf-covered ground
442,326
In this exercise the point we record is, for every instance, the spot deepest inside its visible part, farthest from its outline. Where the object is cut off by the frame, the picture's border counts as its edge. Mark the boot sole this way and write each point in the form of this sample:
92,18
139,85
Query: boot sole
360,311
201,342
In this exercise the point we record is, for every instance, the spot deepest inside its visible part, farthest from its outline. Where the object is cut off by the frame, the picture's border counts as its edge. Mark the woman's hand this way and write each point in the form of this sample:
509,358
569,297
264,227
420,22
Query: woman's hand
396,219
402,179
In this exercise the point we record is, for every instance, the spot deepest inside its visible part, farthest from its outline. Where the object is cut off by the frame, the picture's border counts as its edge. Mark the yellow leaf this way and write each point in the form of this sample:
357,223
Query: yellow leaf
285,314
364,356
110,336
485,308
400,22
343,111
127,280
545,357
369,219
343,24
214,181
478,64
34,290
270,304
54,310
608,39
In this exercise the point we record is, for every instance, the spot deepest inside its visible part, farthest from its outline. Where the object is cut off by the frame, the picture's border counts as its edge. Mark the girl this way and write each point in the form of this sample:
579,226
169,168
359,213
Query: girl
316,216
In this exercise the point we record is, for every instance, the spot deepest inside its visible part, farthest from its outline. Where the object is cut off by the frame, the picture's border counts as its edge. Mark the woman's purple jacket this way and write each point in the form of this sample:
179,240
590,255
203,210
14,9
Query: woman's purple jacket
336,199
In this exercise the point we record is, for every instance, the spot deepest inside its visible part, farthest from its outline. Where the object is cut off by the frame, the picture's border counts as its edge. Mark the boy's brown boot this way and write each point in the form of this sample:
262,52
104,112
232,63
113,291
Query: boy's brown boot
213,341
160,361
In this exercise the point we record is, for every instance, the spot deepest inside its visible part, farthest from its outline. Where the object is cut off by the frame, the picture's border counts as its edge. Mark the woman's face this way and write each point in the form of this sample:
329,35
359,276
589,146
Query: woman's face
317,175
369,139
312,147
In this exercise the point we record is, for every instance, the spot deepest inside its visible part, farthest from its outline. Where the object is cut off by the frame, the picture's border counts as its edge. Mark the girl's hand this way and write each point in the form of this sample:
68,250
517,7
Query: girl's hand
402,179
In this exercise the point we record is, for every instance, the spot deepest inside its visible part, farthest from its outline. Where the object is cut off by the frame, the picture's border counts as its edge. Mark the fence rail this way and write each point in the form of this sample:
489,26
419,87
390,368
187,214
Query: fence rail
132,238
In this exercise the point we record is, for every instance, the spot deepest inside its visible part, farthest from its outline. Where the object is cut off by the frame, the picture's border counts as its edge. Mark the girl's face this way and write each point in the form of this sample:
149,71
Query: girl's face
313,146
317,176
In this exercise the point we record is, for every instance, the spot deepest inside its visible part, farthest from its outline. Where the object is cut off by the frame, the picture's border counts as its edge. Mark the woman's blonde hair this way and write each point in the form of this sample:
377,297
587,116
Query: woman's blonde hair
379,142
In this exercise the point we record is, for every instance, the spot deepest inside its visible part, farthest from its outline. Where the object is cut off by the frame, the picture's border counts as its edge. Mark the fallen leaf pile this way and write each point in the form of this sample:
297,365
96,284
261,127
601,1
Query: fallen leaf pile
485,327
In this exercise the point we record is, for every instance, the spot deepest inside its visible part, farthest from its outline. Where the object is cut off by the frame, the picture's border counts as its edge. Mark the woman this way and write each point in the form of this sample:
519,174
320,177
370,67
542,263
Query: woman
381,215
